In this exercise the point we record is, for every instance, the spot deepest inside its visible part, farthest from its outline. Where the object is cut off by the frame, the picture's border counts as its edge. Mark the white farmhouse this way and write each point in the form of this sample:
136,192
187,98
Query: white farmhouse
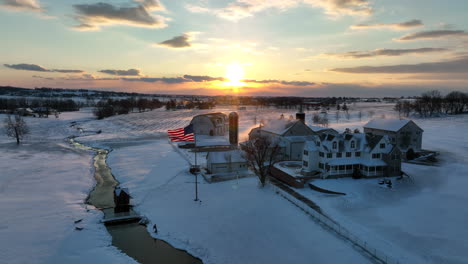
342,155
226,162
213,124
404,134
289,135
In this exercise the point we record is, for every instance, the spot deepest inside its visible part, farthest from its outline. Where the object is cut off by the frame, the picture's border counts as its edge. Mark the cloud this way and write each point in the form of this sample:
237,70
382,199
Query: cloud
34,67
177,42
175,80
458,65
241,9
395,26
196,78
66,71
433,34
26,67
27,5
93,16
343,7
169,80
44,78
383,52
293,83
130,72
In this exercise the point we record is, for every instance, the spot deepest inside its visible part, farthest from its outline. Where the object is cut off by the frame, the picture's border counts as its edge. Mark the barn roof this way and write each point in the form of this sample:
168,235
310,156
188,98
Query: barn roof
393,125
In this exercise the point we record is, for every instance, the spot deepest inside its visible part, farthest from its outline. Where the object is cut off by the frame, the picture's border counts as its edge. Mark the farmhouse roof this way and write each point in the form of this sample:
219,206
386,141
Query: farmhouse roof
393,125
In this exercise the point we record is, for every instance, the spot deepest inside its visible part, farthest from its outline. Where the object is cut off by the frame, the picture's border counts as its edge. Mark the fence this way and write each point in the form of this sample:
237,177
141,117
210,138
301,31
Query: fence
340,230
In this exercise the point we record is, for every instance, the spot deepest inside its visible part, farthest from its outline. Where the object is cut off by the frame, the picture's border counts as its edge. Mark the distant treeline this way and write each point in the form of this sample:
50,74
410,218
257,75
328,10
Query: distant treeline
61,105
110,107
433,103
188,104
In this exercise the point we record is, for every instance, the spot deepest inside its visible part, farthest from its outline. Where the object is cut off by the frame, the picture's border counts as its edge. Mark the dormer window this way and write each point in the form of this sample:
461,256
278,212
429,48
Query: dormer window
353,144
335,145
318,143
382,146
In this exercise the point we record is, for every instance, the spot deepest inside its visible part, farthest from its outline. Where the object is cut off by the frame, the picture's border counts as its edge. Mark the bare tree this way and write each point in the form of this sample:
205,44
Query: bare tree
16,128
261,153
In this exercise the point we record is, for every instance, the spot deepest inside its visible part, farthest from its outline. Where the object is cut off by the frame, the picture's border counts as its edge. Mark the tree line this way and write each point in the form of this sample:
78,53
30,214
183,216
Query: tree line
433,103
189,104
61,105
111,107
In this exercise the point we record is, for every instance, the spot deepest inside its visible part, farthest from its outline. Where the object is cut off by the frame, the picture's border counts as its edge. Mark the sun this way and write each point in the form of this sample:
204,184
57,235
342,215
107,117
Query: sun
234,74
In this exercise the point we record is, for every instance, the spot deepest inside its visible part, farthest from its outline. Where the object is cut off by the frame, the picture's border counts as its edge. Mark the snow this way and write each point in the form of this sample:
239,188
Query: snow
236,222
387,124
422,220
43,185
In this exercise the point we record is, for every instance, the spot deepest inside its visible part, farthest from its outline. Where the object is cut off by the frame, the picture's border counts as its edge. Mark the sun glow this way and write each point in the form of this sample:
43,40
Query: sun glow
235,75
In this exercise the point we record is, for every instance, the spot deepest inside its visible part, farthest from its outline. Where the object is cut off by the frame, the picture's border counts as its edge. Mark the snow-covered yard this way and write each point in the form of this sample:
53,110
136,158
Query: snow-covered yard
43,185
422,220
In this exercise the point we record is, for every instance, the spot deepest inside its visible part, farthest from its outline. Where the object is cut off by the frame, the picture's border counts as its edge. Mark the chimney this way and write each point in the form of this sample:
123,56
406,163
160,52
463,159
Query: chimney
300,115
233,128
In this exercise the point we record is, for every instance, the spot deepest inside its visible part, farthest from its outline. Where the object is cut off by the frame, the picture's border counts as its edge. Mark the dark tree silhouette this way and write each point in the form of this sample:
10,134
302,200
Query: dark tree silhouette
261,154
16,128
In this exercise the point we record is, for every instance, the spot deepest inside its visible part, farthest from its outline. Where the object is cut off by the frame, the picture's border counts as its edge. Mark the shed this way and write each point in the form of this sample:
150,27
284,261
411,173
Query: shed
225,162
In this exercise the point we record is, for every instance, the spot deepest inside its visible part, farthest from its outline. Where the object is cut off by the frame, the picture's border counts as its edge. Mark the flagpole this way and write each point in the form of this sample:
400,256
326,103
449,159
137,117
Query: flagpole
196,167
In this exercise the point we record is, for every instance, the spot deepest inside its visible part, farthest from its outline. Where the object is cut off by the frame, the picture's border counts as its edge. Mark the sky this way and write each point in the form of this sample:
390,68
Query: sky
237,47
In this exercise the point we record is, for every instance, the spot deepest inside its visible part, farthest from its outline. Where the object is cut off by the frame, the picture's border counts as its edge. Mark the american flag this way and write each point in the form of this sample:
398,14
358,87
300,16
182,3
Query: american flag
181,134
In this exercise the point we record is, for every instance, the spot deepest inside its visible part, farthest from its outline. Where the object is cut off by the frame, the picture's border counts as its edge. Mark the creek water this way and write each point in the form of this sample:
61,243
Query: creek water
132,239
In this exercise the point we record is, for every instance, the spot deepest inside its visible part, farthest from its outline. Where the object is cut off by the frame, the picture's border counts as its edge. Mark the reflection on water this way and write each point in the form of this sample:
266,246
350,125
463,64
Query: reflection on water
131,238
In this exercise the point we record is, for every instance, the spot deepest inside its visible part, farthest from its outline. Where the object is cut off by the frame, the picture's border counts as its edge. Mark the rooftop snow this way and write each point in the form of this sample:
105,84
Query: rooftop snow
387,124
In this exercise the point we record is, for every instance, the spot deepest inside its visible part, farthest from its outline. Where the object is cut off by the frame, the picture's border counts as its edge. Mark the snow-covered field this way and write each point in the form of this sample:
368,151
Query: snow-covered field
43,185
422,220
46,182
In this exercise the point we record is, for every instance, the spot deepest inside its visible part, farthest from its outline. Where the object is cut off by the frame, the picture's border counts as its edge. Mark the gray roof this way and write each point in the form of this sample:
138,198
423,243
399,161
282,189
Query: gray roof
393,125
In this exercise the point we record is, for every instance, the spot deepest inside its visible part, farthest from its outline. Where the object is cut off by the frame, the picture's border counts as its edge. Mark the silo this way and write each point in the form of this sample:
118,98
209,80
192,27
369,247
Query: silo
233,128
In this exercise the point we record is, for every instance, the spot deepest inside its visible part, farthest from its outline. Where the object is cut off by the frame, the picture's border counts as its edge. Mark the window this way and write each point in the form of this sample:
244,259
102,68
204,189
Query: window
353,144
357,154
321,154
341,167
338,155
306,152
321,165
305,164
348,154
396,157
349,167
318,143
382,145
335,145
376,156
329,155
418,133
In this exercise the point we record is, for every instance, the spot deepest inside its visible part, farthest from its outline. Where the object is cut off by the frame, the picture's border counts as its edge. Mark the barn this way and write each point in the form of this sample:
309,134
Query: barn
213,124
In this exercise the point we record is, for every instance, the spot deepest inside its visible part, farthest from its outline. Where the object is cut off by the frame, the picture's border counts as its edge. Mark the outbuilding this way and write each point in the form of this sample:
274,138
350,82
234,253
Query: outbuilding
226,162
212,124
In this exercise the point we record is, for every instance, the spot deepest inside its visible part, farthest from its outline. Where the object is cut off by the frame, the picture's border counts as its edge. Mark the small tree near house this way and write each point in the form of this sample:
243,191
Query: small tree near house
16,128
261,155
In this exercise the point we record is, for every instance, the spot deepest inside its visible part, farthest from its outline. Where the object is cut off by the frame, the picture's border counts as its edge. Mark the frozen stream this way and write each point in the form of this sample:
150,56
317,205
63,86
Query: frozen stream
131,238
